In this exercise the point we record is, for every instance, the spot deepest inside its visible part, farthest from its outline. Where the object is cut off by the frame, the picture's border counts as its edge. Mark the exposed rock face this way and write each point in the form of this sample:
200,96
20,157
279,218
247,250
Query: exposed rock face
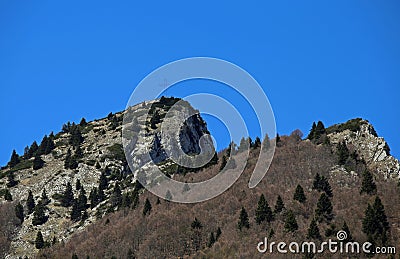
102,152
373,149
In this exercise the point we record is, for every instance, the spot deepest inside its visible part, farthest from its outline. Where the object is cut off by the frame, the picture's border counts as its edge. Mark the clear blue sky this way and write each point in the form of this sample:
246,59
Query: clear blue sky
317,60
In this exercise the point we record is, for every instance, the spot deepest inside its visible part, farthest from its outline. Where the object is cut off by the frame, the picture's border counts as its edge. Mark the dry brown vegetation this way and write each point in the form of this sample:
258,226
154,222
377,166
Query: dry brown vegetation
167,232
8,224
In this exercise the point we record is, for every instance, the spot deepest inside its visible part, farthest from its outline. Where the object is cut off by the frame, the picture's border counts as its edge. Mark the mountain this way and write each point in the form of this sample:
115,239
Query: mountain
95,207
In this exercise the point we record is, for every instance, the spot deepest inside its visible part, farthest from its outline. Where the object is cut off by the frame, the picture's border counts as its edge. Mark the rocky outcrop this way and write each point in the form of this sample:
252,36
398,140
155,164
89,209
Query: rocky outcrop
373,149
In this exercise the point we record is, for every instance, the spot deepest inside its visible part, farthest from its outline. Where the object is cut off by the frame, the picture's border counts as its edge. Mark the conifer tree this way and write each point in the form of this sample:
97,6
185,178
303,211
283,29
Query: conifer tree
68,196
19,212
39,242
346,229
30,203
211,240
7,195
44,199
223,163
218,233
266,143
342,152
380,216
82,200
39,216
319,130
83,122
78,153
103,183
11,182
263,211
147,207
324,208
32,150
311,135
76,136
75,212
279,205
299,194
78,184
368,185
243,219
116,197
290,222
257,142
14,160
37,162
67,160
93,198
313,230
196,224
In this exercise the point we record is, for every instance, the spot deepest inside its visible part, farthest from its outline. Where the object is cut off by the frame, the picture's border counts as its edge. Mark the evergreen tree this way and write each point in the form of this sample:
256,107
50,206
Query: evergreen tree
75,256
75,212
368,223
218,233
68,196
313,230
279,205
346,229
93,198
319,130
76,136
32,150
67,160
116,196
243,145
211,240
19,212
290,222
30,203
223,163
257,142
44,199
342,152
277,139
147,207
168,195
37,162
82,200
266,143
7,195
380,216
11,182
368,185
263,211
103,183
317,182
196,224
83,122
243,219
78,184
321,184
299,194
78,153
39,242
324,208
39,217
311,135
14,160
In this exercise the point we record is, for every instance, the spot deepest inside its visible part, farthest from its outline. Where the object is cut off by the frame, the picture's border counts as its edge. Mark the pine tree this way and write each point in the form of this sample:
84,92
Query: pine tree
76,136
311,135
218,233
37,162
14,160
93,198
290,222
196,224
7,195
319,130
30,203
380,216
44,199
223,163
263,211
321,184
317,182
368,185
368,222
68,196
67,160
243,219
39,217
147,207
11,182
82,200
39,242
78,153
266,143
313,230
257,142
19,212
75,212
116,196
83,122
342,152
324,208
103,183
346,229
78,184
211,240
299,194
32,150
279,205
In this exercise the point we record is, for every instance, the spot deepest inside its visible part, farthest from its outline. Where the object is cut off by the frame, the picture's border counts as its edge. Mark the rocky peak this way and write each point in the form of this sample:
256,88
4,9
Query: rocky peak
362,137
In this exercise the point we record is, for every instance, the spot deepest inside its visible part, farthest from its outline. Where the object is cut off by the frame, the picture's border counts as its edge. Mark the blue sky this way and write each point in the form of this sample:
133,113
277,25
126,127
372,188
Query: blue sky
316,60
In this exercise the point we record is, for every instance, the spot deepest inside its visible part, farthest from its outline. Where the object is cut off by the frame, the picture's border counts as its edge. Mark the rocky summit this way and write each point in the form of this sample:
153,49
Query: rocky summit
80,175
